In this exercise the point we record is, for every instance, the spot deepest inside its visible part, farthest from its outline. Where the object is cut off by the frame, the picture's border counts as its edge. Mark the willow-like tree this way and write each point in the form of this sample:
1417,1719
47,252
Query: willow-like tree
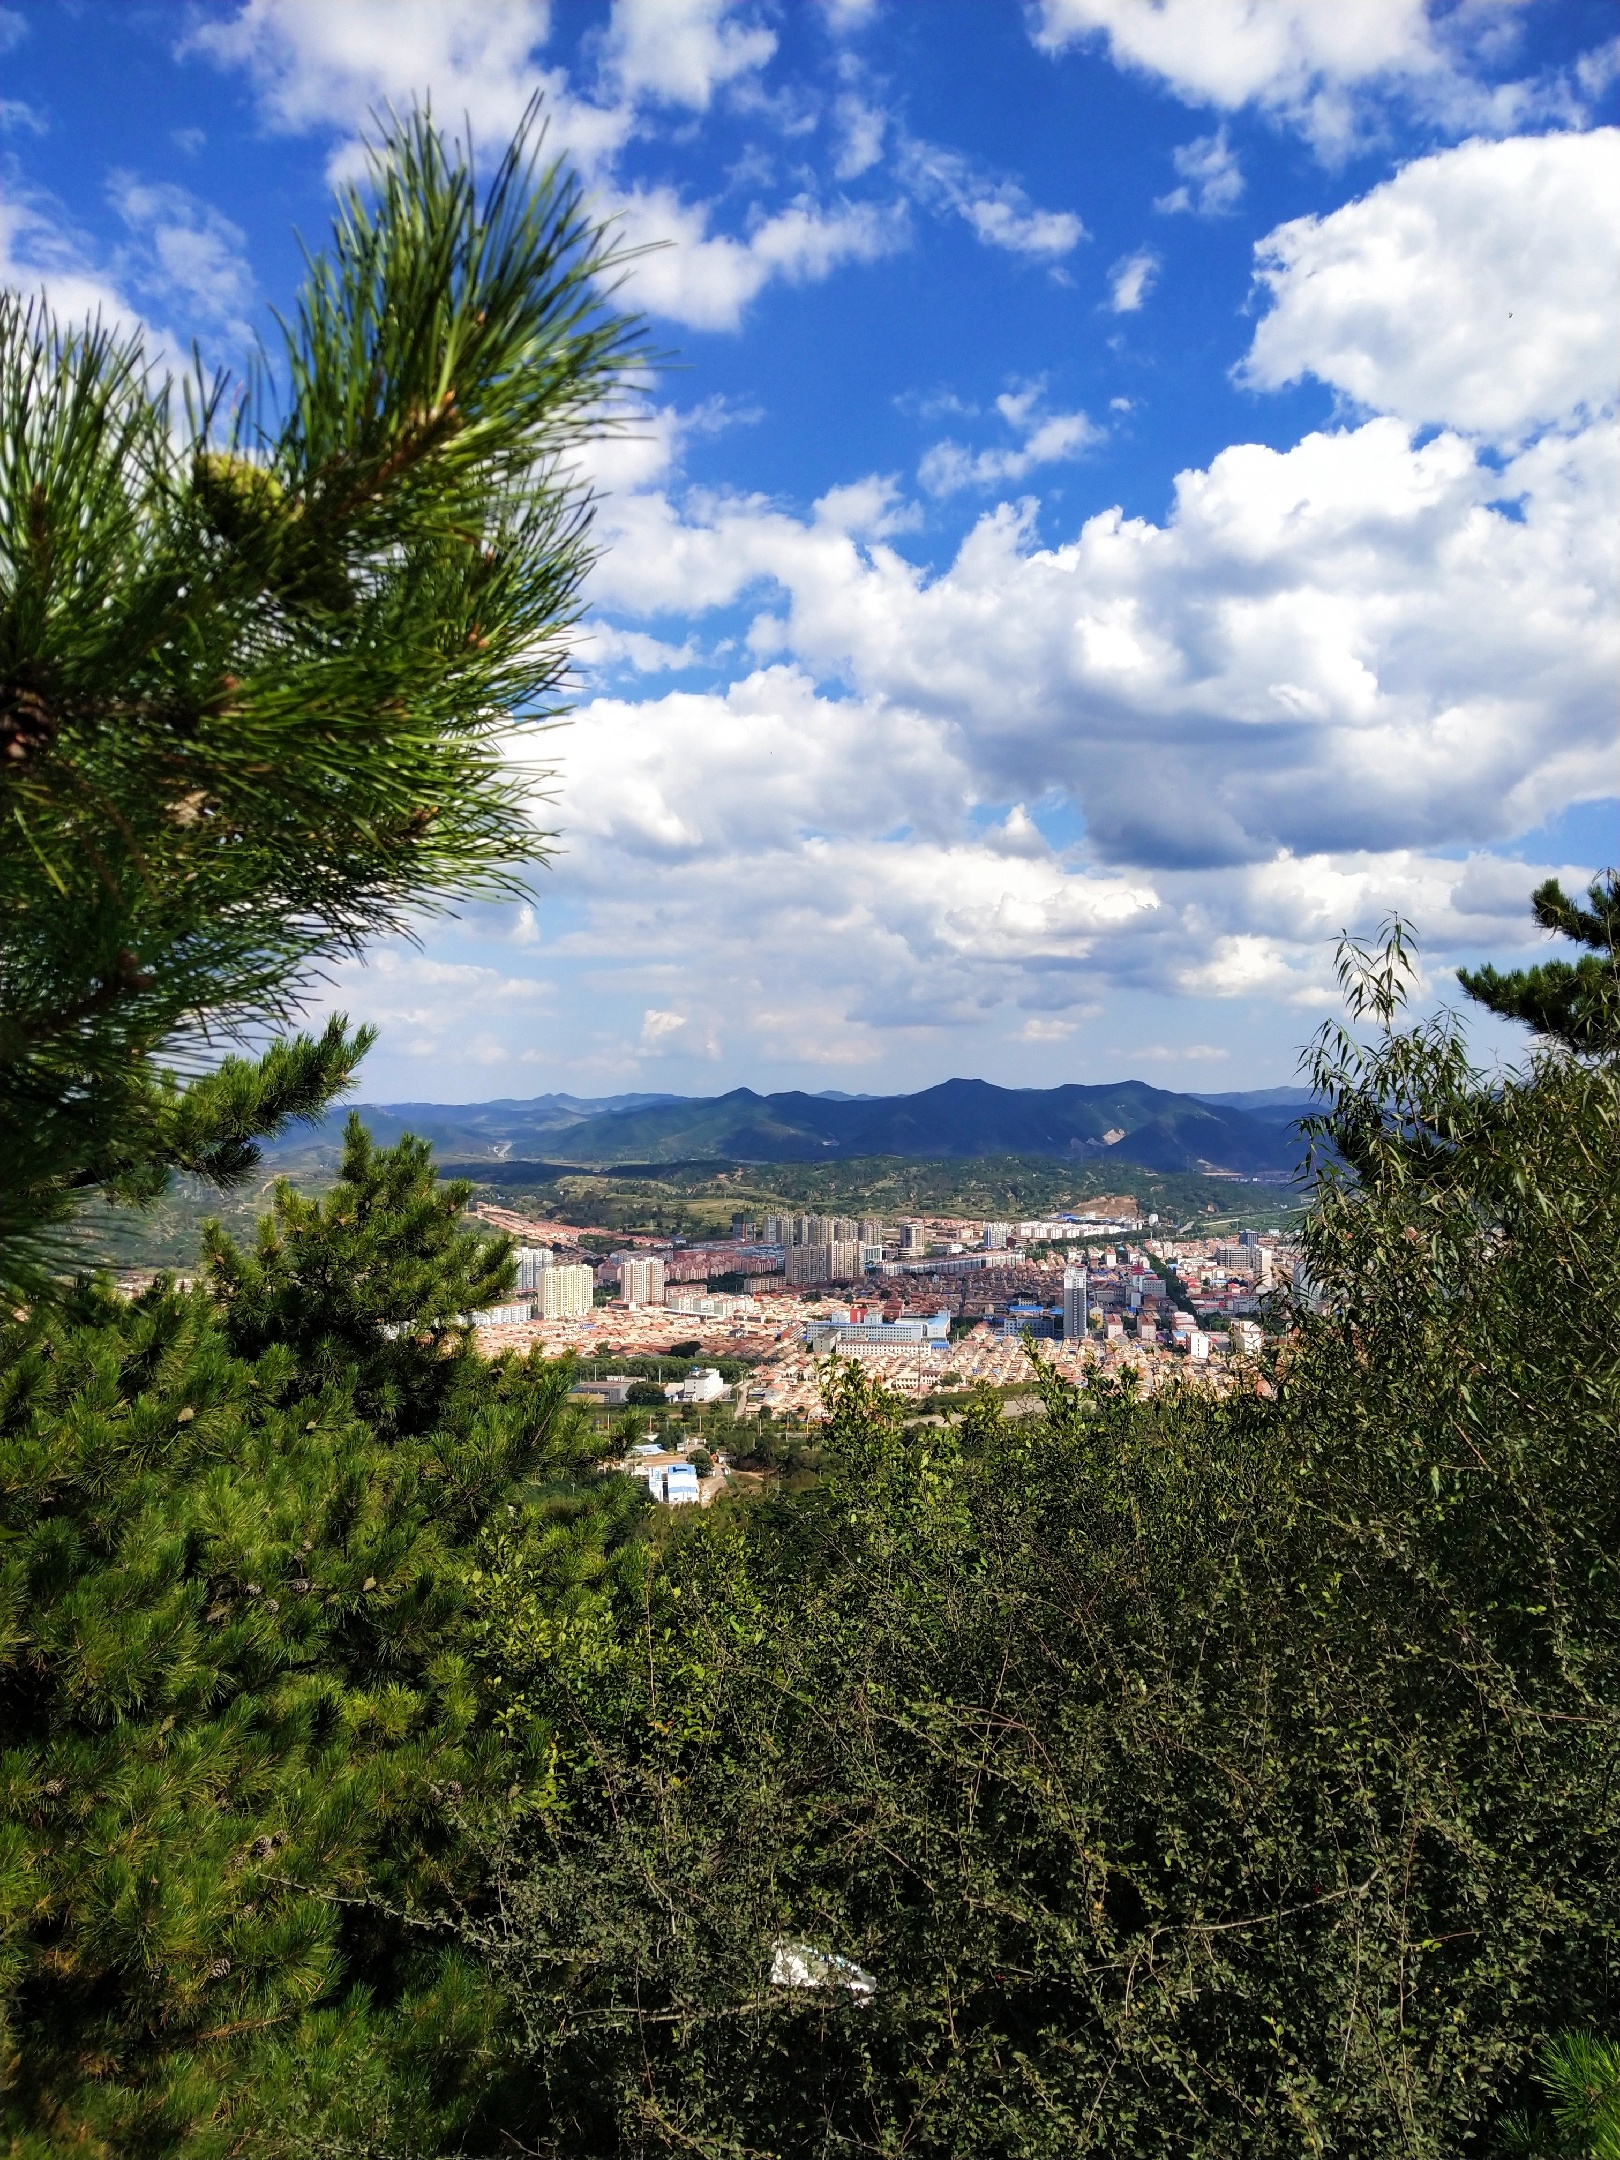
262,648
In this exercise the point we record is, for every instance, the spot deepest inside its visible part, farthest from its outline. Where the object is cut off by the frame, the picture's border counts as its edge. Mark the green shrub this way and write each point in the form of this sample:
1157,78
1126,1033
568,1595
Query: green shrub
1204,1776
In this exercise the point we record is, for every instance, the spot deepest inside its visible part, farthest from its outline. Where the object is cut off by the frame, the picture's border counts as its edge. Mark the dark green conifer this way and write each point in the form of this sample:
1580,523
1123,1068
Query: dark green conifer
371,1285
260,659
244,1740
1576,1004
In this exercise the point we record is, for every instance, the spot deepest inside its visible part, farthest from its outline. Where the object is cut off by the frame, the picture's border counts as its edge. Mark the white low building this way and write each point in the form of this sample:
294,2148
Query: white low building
670,1484
702,1384
711,1308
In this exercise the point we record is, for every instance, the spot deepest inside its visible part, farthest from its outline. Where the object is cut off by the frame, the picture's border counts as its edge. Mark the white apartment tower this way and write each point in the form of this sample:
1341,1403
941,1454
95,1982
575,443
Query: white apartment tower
566,1293
1076,1286
641,1282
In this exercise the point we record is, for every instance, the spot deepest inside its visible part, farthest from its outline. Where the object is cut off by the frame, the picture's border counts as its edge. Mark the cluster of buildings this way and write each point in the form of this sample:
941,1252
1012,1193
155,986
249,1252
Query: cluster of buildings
940,1303
546,1289
806,1251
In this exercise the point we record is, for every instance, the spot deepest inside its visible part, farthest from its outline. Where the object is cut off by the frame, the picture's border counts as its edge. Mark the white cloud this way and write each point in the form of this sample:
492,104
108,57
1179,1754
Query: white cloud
728,869
1322,66
657,1026
999,212
1369,640
679,52
1233,52
1048,439
186,253
427,1008
1476,289
18,117
861,129
1212,179
707,280
42,253
1347,644
605,645
1131,280
316,64
843,16
319,65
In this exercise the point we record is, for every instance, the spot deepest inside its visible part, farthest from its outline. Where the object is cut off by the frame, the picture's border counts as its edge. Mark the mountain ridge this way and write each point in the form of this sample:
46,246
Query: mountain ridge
1129,1120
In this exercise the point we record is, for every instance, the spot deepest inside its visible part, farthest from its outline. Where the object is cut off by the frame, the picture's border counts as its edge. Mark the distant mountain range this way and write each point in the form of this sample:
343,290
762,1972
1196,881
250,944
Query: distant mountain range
1249,1133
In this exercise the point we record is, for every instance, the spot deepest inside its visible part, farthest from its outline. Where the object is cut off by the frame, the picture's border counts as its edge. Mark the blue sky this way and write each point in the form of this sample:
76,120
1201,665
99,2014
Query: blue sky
1133,492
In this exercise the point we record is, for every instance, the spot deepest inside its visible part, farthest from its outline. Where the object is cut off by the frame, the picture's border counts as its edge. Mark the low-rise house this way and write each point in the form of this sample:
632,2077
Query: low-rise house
702,1384
612,1393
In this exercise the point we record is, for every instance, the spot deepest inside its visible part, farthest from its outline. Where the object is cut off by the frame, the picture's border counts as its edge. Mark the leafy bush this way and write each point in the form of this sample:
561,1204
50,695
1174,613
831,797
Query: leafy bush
1204,1776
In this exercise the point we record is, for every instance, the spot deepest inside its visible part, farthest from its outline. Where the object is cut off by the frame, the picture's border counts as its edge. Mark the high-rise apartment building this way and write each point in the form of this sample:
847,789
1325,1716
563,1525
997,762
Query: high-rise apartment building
843,1259
532,1262
1076,1287
806,1264
641,1282
872,1232
913,1239
566,1293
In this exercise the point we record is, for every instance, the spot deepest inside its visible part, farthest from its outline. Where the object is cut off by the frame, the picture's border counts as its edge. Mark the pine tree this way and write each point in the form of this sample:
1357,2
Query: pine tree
260,661
1577,1005
244,1740
370,1285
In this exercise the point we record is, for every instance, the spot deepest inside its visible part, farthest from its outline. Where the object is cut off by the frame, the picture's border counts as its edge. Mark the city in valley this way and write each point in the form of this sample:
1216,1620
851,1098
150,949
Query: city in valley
936,1305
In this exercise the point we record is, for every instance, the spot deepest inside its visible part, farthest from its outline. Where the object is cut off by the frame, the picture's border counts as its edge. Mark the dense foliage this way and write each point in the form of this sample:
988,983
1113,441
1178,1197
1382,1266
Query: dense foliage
1192,1776
259,661
243,1742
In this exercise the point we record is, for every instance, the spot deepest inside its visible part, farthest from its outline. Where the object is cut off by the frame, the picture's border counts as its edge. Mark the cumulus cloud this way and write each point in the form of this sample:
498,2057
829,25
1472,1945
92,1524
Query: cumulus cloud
1211,177
1323,68
1131,280
315,65
1046,439
1367,640
680,52
1353,641
759,899
707,279
605,647
1474,290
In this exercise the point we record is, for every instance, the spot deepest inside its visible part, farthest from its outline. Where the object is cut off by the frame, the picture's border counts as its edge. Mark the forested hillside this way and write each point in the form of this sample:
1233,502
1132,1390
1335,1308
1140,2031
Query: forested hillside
1127,1121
